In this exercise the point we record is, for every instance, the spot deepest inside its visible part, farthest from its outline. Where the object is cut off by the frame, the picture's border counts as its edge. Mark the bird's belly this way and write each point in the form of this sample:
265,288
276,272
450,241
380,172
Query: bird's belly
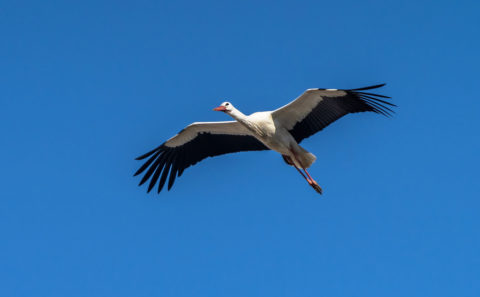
279,142
277,146
271,135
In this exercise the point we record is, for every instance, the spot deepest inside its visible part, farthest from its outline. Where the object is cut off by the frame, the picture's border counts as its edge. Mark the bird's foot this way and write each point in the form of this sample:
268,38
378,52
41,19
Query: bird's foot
316,187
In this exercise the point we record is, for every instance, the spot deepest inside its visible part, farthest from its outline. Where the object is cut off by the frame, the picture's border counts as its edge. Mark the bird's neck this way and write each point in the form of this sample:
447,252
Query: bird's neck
247,122
239,116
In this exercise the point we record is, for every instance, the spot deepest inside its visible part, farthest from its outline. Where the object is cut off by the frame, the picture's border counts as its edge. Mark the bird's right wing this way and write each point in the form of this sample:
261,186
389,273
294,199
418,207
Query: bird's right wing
193,144
315,109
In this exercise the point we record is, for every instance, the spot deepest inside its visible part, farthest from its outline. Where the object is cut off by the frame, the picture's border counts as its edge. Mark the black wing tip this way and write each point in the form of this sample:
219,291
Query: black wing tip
150,152
369,87
375,101
377,105
358,89
139,158
159,170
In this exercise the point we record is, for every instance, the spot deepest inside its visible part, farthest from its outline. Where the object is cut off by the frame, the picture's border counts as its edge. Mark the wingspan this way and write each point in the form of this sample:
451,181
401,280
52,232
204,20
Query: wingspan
193,144
315,109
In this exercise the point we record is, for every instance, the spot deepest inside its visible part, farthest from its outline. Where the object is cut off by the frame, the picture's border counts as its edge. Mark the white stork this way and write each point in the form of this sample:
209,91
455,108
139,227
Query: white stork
280,130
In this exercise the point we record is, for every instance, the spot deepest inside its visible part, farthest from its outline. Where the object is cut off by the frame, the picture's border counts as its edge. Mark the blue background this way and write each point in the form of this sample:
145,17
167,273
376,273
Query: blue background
86,86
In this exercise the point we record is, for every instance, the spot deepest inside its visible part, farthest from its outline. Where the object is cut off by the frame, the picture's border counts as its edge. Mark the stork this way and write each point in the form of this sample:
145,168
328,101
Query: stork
280,130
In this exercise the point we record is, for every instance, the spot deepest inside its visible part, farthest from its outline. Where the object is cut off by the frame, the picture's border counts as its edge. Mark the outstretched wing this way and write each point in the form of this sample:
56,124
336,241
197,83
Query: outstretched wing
193,144
315,109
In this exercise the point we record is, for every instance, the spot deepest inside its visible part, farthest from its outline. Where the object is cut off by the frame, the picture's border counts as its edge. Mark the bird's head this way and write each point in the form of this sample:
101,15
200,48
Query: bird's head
225,107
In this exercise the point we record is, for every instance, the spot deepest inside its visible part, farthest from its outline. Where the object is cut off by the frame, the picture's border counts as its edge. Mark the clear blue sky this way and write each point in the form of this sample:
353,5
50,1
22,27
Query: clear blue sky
86,86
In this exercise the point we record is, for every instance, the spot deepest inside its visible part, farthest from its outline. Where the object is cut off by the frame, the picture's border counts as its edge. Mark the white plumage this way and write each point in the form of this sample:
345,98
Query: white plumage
280,130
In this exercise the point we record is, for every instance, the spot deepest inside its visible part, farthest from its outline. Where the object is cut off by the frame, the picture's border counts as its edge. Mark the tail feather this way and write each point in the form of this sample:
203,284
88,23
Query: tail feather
307,159
303,158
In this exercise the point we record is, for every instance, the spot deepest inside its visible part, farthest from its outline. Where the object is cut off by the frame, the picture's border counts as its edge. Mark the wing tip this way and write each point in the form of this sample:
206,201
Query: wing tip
369,87
377,105
357,89
139,158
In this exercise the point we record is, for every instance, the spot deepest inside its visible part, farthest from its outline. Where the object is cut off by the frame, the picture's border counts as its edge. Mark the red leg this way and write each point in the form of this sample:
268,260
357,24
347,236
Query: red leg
289,161
309,179
307,174
313,183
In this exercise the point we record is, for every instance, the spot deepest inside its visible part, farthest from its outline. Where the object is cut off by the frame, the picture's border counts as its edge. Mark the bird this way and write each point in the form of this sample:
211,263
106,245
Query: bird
281,130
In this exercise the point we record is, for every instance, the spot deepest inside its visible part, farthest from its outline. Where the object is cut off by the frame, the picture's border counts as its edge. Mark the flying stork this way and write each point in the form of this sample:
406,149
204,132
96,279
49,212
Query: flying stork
280,130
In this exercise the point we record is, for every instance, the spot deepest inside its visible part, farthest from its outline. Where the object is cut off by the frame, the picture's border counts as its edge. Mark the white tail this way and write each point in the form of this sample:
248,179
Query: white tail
307,159
303,158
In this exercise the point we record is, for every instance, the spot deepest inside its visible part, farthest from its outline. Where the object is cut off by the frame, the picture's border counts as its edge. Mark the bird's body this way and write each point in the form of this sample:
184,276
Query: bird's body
262,126
280,130
273,134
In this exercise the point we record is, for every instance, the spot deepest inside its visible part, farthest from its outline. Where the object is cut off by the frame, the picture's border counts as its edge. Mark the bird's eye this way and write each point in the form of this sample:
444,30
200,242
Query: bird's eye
227,104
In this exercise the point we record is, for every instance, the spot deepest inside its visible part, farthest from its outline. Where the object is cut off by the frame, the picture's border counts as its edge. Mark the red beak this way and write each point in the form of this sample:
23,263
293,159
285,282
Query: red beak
220,108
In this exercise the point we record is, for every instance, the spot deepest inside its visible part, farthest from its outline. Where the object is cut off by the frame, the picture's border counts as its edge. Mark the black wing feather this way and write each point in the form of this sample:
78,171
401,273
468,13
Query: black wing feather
170,161
146,164
331,109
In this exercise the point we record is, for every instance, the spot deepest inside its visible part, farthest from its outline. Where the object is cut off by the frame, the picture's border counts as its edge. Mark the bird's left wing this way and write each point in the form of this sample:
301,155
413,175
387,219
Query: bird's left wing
193,144
315,109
